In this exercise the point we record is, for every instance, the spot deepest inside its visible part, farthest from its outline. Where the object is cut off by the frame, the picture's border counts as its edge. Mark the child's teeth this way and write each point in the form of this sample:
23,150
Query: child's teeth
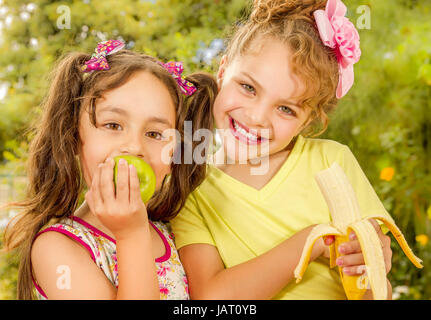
244,132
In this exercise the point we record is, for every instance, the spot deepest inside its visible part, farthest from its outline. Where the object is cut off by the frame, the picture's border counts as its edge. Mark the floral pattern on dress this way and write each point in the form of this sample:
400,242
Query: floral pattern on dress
170,272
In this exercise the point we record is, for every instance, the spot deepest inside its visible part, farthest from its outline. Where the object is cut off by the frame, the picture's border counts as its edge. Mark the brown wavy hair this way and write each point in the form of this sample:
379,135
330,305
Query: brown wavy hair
293,23
53,169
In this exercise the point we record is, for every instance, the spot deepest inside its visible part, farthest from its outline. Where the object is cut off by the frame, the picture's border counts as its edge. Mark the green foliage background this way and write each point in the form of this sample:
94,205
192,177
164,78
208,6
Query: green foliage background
385,119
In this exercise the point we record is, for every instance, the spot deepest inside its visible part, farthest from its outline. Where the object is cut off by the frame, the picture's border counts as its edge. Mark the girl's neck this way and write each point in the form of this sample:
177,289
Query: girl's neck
85,214
243,172
273,159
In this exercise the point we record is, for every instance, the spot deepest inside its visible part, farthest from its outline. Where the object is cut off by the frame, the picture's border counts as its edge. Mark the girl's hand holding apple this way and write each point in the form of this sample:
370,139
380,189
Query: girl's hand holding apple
120,208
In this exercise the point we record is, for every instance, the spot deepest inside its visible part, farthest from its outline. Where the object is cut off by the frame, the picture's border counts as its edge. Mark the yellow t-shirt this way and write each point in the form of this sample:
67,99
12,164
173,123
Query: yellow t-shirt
243,222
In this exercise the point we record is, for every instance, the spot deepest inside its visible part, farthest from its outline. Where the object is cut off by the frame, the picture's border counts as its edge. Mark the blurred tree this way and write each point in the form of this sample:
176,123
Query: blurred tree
386,121
36,33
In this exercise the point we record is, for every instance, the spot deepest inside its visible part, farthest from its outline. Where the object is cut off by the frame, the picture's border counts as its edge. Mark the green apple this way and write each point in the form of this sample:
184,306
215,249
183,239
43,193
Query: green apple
147,178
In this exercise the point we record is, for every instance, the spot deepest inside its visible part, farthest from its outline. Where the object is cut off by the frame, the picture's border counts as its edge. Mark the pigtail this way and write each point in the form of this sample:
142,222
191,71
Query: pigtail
184,179
53,170
199,111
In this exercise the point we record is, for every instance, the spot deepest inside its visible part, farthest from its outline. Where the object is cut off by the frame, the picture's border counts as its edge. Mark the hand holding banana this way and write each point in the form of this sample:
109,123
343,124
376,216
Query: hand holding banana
345,218
351,258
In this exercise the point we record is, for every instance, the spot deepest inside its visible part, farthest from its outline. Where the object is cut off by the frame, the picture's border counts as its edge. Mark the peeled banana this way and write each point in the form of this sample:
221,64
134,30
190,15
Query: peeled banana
346,217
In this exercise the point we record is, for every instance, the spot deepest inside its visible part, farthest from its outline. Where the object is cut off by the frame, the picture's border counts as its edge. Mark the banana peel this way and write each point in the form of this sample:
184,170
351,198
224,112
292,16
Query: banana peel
346,217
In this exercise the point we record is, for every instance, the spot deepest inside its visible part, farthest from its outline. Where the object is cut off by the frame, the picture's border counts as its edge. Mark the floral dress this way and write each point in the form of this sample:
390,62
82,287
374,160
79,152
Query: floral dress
102,248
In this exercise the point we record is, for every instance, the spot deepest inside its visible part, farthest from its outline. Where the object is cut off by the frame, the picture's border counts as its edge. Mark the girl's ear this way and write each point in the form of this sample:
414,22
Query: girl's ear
221,69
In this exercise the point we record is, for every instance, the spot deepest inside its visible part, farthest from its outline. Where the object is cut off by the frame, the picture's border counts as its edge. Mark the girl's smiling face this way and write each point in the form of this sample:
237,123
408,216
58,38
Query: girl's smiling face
255,104
130,120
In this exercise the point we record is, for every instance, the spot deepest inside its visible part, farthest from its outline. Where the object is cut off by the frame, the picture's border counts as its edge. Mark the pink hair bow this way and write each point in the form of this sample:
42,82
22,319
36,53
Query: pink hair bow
176,69
338,33
98,59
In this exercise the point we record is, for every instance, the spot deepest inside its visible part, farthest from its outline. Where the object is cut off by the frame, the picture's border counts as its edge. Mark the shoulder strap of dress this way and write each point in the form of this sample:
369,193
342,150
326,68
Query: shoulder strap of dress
68,229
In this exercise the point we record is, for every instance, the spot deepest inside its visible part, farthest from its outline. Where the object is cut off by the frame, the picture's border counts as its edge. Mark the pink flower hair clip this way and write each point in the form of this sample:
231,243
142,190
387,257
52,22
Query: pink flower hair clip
338,33
98,59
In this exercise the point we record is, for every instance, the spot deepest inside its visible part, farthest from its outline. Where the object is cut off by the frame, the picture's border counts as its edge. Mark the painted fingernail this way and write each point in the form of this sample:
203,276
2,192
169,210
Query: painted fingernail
339,262
352,236
346,270
122,162
341,249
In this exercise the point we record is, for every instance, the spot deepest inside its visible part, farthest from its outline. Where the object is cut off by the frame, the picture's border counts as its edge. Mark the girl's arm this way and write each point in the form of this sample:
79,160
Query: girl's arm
136,268
259,278
64,269
122,211
266,275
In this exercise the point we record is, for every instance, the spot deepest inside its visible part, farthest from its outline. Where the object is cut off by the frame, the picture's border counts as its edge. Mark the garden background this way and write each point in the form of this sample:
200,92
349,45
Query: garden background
385,119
